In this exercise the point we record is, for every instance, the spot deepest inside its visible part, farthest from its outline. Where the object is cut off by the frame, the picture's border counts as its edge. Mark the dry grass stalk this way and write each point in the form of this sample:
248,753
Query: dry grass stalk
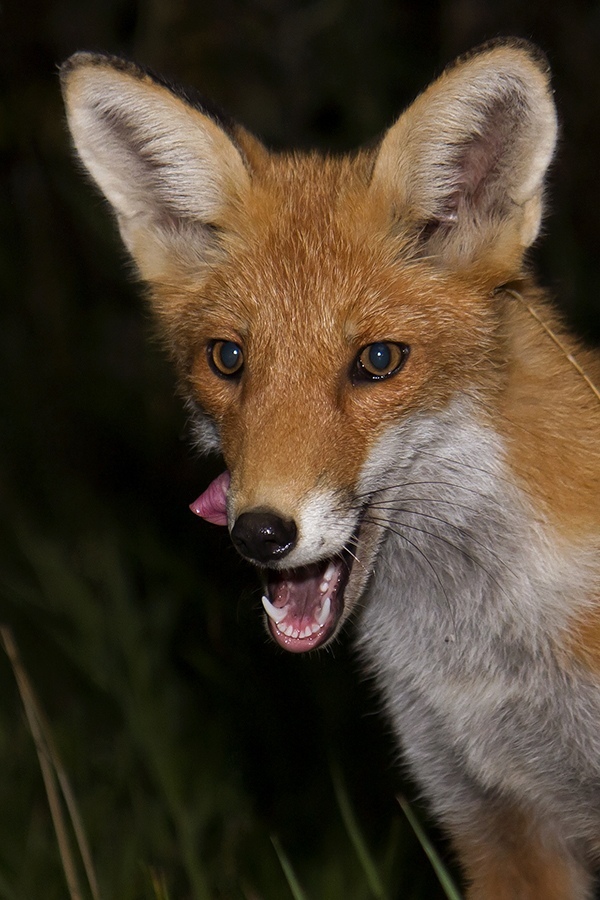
554,337
55,778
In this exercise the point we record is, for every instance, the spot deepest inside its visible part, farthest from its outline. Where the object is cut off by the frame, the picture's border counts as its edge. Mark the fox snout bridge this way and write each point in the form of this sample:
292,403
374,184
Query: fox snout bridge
263,536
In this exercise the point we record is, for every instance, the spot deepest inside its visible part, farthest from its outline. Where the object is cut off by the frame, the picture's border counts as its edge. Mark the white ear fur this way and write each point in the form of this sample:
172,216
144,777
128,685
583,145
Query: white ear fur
164,166
470,155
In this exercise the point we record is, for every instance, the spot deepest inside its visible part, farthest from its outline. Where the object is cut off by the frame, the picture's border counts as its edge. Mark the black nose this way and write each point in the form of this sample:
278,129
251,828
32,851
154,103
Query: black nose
263,536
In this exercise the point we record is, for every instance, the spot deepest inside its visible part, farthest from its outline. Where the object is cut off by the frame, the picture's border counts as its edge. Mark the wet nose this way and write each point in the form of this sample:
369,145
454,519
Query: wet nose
263,536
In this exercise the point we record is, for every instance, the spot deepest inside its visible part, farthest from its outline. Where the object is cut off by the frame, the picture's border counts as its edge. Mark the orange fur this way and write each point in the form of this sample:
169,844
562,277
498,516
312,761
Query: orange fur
552,420
521,862
303,262
350,272
582,640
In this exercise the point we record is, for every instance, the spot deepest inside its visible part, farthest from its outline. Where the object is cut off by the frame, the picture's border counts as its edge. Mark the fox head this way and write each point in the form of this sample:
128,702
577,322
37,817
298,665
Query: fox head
316,307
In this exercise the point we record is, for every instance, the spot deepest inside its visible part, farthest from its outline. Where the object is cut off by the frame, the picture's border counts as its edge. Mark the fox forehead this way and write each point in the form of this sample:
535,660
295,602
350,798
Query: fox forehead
308,243
313,272
317,264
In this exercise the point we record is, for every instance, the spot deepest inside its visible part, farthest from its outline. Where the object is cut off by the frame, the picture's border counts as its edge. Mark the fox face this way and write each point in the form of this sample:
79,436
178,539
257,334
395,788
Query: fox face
314,306
298,498
405,441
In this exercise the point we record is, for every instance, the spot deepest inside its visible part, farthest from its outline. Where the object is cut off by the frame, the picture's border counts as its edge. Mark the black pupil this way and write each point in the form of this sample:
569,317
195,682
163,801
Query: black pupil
380,356
230,355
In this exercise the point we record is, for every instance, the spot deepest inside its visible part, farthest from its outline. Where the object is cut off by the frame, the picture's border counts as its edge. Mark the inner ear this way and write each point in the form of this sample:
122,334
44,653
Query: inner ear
478,164
476,168
171,171
464,166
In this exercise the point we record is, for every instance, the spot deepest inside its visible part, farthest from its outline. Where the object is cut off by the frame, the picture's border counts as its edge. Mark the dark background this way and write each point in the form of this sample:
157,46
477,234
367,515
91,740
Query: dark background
189,740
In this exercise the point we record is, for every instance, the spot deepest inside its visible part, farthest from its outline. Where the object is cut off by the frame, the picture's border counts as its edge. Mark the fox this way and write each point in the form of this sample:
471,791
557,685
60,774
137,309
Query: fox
409,432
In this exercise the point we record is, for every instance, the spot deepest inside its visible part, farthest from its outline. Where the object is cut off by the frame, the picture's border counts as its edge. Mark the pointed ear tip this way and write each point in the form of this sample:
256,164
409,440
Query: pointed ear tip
75,64
510,47
82,58
102,63
516,54
67,68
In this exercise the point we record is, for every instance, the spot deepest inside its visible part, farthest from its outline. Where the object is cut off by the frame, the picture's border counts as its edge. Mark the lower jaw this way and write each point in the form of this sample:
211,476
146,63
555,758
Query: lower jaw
301,645
322,612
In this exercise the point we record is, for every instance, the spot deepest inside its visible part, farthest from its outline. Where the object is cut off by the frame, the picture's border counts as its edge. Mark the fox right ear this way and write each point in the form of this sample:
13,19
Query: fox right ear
466,162
167,167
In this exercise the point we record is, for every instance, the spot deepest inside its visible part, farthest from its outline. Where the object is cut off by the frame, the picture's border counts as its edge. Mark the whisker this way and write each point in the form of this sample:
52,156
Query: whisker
404,484
461,464
384,503
449,524
387,527
356,559
449,543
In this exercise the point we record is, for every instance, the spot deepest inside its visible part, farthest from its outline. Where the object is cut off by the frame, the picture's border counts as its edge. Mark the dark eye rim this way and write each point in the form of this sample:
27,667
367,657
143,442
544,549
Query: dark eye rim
360,373
235,374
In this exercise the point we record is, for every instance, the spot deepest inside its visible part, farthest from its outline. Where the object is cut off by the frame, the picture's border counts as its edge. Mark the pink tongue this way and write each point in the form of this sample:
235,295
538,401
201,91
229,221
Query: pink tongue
212,504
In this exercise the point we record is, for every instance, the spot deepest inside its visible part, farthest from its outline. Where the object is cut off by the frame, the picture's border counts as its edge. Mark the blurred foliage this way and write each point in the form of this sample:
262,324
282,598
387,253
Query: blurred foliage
188,738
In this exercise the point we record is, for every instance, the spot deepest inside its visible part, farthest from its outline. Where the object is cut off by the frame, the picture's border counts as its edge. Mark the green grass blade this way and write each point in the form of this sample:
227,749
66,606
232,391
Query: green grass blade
358,842
442,873
53,775
159,885
294,884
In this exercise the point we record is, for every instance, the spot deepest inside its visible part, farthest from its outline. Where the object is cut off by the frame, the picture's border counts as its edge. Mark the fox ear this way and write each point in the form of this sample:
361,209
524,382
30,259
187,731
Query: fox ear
465,164
166,166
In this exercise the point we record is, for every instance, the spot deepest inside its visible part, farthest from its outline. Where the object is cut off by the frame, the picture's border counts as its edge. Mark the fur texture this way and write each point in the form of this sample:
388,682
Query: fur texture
405,443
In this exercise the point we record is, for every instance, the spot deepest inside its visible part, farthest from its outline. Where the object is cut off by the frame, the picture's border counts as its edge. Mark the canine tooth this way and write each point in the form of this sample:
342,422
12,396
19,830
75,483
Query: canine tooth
324,613
327,576
329,572
278,615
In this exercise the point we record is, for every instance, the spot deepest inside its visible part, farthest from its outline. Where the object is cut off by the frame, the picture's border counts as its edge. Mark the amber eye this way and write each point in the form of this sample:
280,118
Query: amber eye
379,360
226,358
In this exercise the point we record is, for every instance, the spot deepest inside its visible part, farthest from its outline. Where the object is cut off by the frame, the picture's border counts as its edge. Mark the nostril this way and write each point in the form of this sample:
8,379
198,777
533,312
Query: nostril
263,536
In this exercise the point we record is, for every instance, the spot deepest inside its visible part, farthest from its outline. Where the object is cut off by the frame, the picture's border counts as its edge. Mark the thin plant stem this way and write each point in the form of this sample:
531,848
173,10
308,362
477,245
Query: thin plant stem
441,871
294,884
54,776
358,842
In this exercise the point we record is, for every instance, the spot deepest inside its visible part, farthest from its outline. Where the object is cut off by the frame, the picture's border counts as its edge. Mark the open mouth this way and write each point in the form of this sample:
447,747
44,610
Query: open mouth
304,605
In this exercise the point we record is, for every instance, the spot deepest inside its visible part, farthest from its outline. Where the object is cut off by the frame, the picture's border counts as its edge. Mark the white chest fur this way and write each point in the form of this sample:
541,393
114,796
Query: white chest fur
469,595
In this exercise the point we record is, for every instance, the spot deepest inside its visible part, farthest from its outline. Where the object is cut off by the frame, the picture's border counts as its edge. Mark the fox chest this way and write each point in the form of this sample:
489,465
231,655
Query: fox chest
475,694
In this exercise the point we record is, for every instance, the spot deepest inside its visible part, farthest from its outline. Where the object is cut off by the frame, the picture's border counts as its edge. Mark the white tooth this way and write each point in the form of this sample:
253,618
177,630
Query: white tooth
325,610
278,615
315,627
289,631
328,575
329,572
307,632
295,633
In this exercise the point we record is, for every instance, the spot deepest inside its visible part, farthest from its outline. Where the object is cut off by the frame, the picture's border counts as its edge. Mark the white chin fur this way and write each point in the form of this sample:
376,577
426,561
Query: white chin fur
325,527
204,432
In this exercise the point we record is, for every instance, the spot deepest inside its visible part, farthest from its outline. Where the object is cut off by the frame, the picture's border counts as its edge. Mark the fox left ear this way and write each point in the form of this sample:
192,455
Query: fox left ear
465,164
170,170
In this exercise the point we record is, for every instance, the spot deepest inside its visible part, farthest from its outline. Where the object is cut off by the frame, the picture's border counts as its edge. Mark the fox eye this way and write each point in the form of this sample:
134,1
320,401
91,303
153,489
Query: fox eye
226,358
379,360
